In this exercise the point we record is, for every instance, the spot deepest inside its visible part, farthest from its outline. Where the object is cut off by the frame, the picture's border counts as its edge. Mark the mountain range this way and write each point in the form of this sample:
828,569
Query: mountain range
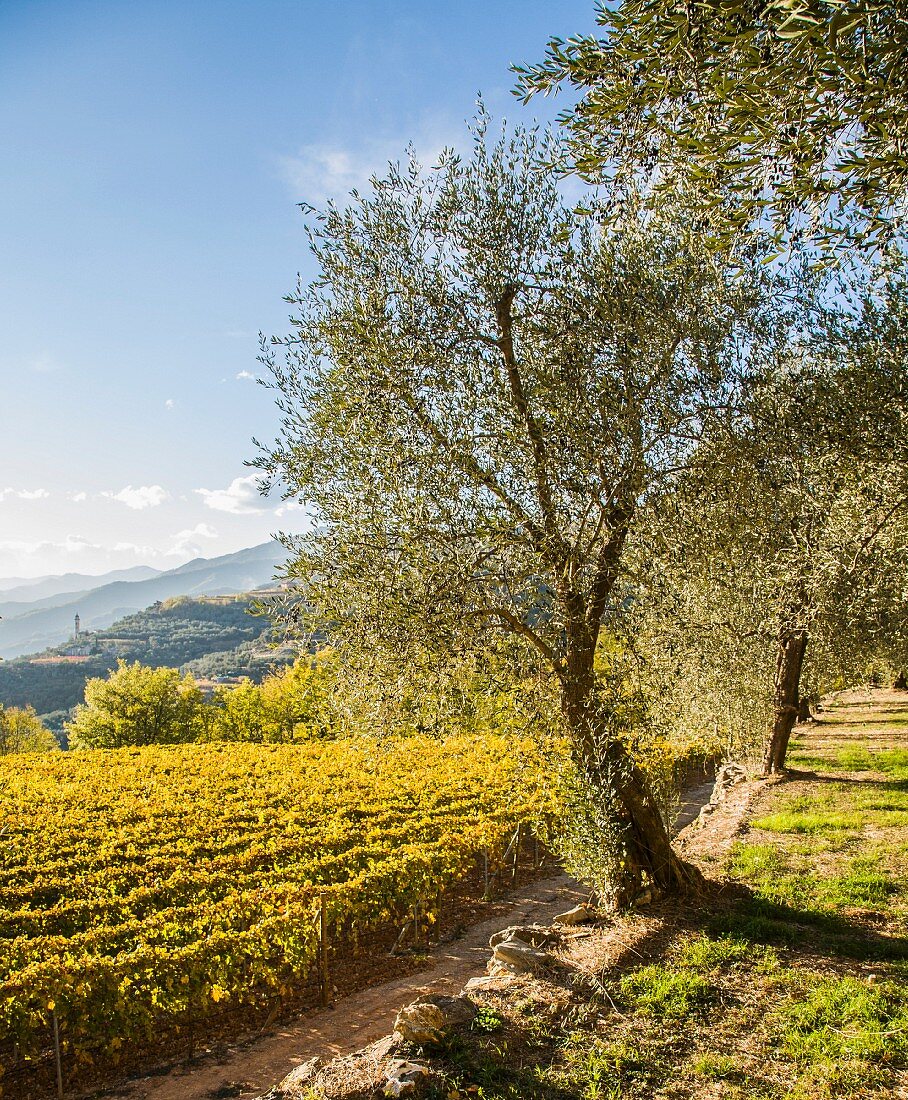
31,625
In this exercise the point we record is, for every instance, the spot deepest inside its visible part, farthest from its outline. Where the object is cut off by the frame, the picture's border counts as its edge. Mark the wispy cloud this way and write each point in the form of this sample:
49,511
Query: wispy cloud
187,542
79,497
169,403
44,363
24,494
289,506
321,171
72,544
246,376
241,497
143,496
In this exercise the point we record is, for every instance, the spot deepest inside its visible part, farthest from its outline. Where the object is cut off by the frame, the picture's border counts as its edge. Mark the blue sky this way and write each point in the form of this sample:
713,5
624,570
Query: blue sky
153,154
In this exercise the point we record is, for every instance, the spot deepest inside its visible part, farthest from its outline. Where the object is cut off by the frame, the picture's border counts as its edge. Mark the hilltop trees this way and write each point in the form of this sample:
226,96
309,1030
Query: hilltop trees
481,392
137,705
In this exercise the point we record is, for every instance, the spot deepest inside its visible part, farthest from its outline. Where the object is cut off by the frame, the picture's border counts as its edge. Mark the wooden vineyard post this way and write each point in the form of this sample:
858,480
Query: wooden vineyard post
323,951
485,872
57,1057
516,854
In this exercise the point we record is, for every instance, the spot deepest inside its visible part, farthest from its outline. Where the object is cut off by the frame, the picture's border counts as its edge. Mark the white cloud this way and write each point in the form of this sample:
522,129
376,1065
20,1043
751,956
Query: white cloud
143,496
24,494
72,544
241,497
169,403
289,506
78,497
246,376
320,171
187,542
44,364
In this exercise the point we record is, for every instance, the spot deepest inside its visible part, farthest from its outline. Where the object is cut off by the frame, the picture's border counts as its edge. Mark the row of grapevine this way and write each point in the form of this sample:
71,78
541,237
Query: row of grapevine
144,888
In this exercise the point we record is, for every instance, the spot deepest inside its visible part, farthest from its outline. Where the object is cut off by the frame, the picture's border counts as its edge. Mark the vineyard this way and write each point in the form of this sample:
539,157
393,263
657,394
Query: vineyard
144,891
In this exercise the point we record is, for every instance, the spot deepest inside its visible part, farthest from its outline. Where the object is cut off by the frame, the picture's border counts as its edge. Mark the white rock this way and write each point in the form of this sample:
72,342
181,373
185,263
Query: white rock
578,915
404,1077
427,1021
536,935
519,958
298,1080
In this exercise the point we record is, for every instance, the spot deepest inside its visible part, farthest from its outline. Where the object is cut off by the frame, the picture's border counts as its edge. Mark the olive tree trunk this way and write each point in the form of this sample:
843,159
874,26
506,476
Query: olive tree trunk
789,662
648,857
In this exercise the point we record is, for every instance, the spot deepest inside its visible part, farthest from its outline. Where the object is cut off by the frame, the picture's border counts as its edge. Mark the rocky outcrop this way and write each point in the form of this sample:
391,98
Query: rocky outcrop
580,914
536,935
728,776
406,1078
428,1021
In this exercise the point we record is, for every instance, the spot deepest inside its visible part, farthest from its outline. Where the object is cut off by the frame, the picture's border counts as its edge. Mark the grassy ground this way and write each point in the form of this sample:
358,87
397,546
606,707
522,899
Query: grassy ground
790,980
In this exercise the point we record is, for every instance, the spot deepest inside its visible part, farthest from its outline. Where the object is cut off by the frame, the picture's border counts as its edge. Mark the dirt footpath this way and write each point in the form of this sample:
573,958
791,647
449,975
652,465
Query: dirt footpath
246,1070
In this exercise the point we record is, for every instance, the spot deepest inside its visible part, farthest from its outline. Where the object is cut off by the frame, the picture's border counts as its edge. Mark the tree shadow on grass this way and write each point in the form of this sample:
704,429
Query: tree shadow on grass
733,909
737,910
846,780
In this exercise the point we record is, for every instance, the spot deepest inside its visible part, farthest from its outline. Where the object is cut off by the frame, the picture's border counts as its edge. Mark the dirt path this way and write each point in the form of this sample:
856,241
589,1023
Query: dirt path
246,1069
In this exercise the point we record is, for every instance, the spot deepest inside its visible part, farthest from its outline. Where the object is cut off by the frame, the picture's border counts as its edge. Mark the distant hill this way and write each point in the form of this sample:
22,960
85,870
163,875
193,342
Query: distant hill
27,589
213,637
46,622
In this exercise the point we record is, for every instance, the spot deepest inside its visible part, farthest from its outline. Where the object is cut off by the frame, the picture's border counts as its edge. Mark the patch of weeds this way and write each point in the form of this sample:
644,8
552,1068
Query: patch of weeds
755,861
705,954
861,885
486,1020
597,1070
666,992
715,1066
842,1033
892,762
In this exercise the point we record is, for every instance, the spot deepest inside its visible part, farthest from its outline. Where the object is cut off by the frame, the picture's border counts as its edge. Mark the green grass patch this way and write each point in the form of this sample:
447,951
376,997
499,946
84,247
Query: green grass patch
666,992
853,758
861,882
799,821
716,1067
843,1033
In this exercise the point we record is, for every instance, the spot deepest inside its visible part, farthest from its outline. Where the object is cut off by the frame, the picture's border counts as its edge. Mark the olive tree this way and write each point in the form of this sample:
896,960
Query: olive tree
790,112
782,564
482,389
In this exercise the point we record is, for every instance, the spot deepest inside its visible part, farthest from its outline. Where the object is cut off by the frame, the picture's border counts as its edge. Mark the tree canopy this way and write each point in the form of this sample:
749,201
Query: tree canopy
482,389
136,705
22,731
790,113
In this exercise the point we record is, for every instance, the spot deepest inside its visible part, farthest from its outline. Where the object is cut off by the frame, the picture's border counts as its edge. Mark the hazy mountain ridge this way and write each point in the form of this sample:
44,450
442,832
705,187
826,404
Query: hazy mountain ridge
29,589
32,627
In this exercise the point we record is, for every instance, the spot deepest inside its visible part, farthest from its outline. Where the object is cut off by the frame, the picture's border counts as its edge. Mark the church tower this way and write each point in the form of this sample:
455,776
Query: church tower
76,635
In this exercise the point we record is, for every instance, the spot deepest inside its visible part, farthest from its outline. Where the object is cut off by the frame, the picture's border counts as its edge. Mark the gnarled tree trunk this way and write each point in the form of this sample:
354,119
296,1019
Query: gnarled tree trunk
648,854
789,662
